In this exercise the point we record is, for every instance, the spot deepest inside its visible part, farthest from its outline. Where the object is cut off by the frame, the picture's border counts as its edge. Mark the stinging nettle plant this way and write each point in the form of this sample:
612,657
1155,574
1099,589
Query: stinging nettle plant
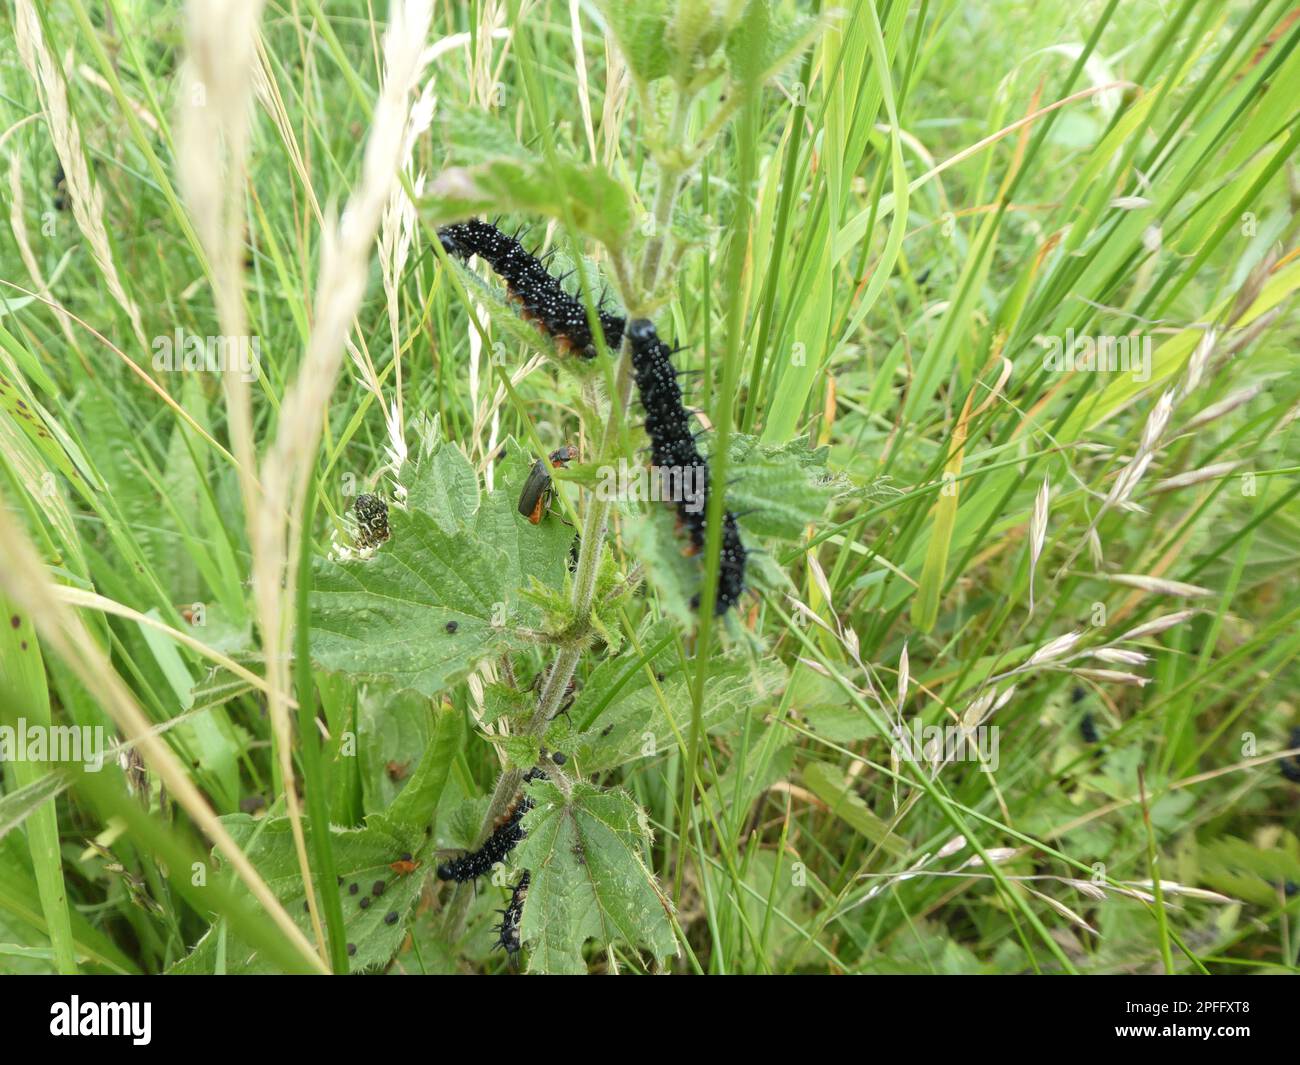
388,680
593,667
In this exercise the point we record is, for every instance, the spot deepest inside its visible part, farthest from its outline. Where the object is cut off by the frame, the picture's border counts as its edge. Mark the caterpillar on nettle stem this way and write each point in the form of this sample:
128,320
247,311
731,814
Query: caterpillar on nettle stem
672,447
542,298
505,836
672,442
508,930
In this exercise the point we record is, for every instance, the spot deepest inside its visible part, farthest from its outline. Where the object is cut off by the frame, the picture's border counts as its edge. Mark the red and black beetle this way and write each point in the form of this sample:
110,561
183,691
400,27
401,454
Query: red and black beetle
538,488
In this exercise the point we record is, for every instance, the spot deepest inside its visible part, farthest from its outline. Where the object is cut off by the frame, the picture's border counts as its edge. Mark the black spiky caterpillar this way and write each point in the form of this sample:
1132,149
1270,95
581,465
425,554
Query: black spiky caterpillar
508,930
672,446
541,296
564,317
505,837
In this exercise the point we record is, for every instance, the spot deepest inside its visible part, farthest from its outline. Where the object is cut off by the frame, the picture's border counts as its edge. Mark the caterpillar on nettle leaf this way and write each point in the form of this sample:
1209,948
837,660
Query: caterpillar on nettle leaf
505,836
508,930
541,297
668,424
672,447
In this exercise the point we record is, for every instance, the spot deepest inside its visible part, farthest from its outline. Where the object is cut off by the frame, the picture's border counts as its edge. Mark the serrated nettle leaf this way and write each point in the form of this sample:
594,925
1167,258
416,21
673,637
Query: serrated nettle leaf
476,136
363,858
763,575
388,616
505,318
553,604
462,823
503,701
654,540
440,596
392,729
443,485
620,675
692,227
694,33
596,203
641,30
641,722
589,879
411,816
522,752
612,586
765,40
778,490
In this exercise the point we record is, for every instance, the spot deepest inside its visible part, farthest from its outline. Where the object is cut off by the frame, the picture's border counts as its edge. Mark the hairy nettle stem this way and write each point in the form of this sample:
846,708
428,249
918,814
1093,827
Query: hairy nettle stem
594,528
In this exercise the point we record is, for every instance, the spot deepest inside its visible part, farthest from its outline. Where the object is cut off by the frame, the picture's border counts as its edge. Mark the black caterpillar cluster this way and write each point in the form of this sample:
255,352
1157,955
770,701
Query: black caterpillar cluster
372,520
672,447
505,837
542,297
508,930
667,422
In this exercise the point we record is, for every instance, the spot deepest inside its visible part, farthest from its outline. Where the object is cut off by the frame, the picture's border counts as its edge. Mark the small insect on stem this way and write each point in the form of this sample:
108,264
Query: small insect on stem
539,488
372,520
404,865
